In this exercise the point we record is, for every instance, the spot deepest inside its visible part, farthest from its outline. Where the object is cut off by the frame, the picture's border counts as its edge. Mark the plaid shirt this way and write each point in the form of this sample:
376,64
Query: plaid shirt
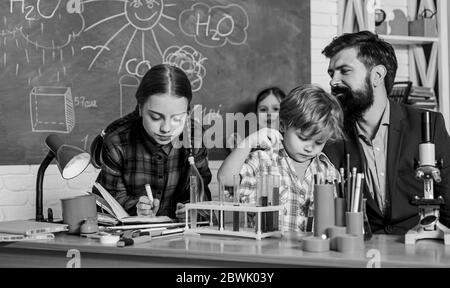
295,195
131,159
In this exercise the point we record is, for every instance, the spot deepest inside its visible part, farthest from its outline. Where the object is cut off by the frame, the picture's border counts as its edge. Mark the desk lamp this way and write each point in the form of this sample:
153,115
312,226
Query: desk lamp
71,162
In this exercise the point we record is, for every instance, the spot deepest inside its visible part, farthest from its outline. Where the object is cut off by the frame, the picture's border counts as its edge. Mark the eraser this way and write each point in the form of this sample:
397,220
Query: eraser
109,239
350,243
316,244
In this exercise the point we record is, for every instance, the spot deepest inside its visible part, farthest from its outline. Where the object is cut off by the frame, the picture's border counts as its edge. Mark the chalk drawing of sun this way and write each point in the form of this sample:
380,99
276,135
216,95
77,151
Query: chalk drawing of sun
142,16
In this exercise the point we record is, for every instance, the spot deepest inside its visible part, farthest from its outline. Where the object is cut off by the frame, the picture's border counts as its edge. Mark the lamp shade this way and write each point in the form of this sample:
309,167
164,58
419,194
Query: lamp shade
71,160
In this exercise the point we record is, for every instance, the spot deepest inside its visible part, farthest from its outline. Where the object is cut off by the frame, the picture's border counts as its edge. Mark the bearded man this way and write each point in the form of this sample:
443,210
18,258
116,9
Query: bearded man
382,136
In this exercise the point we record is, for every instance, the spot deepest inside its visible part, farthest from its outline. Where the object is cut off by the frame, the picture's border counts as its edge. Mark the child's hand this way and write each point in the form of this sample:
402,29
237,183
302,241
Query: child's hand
146,208
180,212
263,138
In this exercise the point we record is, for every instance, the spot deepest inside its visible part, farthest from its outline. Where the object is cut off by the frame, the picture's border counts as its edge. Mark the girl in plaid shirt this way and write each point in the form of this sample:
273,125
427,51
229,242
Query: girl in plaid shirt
146,147
309,117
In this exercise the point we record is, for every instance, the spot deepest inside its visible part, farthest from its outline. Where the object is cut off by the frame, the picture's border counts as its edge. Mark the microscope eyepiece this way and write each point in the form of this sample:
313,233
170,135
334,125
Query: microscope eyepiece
426,136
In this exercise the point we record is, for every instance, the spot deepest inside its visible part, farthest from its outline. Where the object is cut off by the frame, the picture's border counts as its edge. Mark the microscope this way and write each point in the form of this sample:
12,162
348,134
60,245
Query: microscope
428,171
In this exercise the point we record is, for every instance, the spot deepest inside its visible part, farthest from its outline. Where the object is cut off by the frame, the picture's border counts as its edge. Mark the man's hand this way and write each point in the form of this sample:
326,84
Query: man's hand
146,208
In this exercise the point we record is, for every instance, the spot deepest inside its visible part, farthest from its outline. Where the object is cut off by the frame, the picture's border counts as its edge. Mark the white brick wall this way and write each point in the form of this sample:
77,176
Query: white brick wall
17,183
323,28
18,189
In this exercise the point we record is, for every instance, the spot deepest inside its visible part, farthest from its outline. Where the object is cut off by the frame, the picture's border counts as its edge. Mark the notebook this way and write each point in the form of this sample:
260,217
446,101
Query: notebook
116,210
31,227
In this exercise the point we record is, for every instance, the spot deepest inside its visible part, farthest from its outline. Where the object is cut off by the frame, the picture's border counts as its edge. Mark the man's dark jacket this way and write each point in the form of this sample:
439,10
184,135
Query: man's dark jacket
404,137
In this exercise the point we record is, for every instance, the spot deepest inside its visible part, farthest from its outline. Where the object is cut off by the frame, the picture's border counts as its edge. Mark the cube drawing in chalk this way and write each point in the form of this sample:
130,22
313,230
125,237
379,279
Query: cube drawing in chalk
51,109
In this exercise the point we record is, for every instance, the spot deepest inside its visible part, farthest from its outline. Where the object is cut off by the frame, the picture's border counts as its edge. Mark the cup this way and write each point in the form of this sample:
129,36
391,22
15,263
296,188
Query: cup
323,208
355,223
76,209
349,243
339,211
333,233
316,244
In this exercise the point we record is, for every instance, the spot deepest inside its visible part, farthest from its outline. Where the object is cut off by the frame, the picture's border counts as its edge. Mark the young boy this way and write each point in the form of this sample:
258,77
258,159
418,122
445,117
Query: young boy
309,117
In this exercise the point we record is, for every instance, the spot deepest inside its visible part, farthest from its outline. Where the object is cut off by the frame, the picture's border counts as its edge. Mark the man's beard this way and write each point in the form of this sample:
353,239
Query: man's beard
354,103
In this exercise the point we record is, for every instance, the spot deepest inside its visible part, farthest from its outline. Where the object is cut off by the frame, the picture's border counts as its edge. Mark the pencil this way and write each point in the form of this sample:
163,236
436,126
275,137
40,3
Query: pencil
353,187
341,171
357,193
349,177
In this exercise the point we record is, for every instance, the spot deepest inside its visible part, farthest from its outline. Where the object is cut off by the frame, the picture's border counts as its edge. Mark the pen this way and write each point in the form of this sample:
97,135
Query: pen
136,240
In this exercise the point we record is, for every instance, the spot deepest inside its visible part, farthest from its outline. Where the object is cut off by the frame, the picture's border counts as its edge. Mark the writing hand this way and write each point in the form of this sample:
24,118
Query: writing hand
147,208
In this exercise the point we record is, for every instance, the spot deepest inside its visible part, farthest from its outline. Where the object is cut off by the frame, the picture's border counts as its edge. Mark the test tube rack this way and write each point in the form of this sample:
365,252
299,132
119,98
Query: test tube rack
221,207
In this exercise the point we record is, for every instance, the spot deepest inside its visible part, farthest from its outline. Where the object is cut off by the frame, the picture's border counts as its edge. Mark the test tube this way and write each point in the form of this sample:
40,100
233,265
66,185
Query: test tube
264,201
221,191
269,215
236,182
221,200
366,227
258,190
193,199
276,200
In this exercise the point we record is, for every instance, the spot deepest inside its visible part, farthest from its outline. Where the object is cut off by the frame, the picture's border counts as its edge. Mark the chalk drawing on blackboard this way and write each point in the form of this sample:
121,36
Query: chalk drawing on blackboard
136,67
52,109
215,26
143,16
94,47
42,17
11,33
190,61
128,85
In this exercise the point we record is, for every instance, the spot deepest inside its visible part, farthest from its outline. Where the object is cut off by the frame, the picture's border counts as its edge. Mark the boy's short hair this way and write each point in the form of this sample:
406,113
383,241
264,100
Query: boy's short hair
314,111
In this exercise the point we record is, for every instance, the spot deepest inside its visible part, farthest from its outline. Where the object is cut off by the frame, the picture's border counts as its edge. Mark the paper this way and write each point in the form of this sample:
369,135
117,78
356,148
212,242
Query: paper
122,215
31,227
6,237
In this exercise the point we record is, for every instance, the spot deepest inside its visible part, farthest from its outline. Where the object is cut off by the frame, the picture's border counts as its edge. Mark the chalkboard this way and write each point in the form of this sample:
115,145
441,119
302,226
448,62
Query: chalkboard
71,67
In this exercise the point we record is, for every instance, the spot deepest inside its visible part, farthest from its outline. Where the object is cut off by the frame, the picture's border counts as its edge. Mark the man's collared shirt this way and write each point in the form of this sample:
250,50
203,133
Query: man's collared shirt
295,195
375,152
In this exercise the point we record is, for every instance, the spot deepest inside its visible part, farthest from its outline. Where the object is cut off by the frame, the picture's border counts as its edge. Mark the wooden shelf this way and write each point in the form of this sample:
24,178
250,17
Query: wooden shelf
408,40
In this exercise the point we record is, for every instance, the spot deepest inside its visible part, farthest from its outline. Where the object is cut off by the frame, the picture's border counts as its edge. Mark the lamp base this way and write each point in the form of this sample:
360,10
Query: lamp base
417,233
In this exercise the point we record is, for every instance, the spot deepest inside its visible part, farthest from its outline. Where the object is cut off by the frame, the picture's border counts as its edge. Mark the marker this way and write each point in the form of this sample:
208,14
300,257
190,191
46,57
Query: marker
136,240
148,189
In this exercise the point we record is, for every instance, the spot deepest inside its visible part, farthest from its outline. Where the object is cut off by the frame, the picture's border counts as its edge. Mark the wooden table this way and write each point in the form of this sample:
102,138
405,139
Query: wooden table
214,251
